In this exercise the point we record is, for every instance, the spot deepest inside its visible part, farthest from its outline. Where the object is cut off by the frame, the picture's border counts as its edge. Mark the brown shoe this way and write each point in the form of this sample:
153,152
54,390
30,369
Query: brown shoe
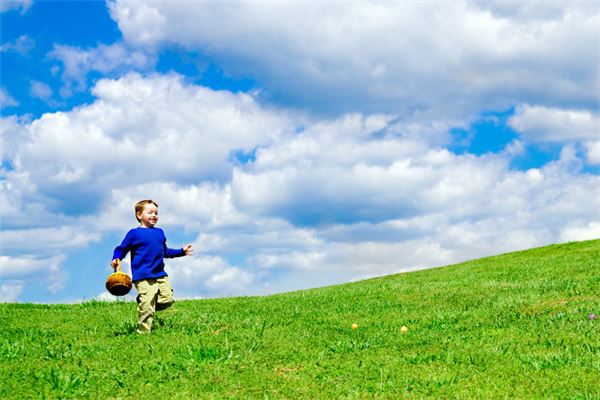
164,306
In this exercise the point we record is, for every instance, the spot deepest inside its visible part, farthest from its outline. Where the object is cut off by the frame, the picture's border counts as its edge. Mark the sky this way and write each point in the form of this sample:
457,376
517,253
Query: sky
293,144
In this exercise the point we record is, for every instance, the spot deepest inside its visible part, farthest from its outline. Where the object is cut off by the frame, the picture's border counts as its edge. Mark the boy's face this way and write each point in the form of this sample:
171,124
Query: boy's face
149,216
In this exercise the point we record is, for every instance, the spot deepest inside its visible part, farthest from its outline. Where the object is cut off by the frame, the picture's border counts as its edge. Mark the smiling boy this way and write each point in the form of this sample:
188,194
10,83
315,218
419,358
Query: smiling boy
148,247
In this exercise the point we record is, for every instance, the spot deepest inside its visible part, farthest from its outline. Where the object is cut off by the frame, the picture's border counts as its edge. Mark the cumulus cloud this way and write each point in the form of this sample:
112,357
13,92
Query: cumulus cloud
204,205
18,271
209,275
544,124
464,207
10,292
347,175
141,130
12,134
580,230
77,63
593,152
533,9
420,207
319,201
532,209
36,257
144,136
42,240
558,126
445,59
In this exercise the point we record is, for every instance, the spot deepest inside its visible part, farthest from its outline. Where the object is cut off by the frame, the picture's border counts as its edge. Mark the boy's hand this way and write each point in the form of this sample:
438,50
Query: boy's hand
188,249
115,263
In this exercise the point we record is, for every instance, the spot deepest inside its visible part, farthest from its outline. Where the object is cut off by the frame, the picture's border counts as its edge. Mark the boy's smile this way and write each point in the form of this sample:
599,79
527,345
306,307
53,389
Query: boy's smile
149,216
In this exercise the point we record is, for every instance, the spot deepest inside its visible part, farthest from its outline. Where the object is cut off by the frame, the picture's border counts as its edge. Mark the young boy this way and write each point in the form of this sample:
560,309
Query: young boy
148,246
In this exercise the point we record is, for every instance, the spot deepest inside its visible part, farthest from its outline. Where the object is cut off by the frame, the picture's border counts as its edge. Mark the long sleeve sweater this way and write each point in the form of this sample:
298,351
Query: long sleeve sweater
148,248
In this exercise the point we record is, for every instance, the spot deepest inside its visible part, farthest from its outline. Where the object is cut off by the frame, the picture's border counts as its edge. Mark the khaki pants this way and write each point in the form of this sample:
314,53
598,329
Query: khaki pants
153,294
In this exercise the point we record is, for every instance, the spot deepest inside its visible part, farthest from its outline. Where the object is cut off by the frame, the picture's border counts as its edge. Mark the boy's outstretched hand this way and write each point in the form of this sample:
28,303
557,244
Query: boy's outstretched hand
188,249
115,263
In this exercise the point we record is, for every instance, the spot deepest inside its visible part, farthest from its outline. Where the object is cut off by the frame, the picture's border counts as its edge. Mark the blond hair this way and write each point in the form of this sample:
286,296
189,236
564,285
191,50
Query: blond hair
139,207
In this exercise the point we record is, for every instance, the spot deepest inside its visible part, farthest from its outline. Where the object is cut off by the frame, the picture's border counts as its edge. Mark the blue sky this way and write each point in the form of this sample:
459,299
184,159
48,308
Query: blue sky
293,145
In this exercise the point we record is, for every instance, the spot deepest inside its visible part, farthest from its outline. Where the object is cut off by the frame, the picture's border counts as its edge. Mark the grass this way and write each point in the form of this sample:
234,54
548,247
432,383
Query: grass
509,326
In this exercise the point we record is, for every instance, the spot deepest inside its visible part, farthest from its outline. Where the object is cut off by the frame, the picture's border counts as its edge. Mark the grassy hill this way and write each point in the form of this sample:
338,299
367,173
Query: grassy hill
514,325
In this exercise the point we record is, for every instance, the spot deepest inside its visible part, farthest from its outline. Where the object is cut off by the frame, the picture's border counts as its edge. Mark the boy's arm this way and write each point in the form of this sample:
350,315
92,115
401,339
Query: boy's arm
122,249
172,253
184,251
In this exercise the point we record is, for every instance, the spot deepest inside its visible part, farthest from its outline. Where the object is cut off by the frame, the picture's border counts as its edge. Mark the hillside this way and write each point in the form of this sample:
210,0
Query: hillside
514,325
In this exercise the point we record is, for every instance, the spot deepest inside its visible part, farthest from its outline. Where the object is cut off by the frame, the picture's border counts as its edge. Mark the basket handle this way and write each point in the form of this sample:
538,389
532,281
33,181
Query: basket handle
118,267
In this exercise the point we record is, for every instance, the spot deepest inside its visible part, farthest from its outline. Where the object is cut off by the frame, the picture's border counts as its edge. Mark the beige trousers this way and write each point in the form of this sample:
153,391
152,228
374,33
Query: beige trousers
153,294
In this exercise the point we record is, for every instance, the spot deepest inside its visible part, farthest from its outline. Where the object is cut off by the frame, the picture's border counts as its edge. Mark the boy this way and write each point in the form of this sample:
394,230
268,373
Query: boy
148,247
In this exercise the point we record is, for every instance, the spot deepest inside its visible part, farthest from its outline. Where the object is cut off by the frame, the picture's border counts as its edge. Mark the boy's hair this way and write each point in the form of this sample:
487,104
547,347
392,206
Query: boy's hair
139,207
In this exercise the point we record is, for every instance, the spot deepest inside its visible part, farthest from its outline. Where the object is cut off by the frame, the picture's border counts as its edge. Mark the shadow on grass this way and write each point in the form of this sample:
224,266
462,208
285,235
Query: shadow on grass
130,327
163,322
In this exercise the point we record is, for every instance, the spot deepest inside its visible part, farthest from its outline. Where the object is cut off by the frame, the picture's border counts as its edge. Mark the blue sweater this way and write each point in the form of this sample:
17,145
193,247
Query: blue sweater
148,247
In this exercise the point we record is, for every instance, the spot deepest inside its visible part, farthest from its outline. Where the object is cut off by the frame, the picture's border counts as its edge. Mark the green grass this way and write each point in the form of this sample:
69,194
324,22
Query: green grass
509,326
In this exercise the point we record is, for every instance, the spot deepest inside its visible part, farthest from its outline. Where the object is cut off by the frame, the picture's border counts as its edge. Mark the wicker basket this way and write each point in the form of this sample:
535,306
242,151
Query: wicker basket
118,283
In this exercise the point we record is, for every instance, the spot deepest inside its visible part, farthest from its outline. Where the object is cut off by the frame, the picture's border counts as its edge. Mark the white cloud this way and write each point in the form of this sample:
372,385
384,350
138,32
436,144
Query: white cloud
580,230
22,45
6,100
543,124
347,175
210,274
8,5
12,134
76,175
40,90
206,205
19,271
145,22
141,130
467,208
11,268
593,152
325,201
10,292
106,59
20,204
534,9
306,261
445,59
413,207
42,240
